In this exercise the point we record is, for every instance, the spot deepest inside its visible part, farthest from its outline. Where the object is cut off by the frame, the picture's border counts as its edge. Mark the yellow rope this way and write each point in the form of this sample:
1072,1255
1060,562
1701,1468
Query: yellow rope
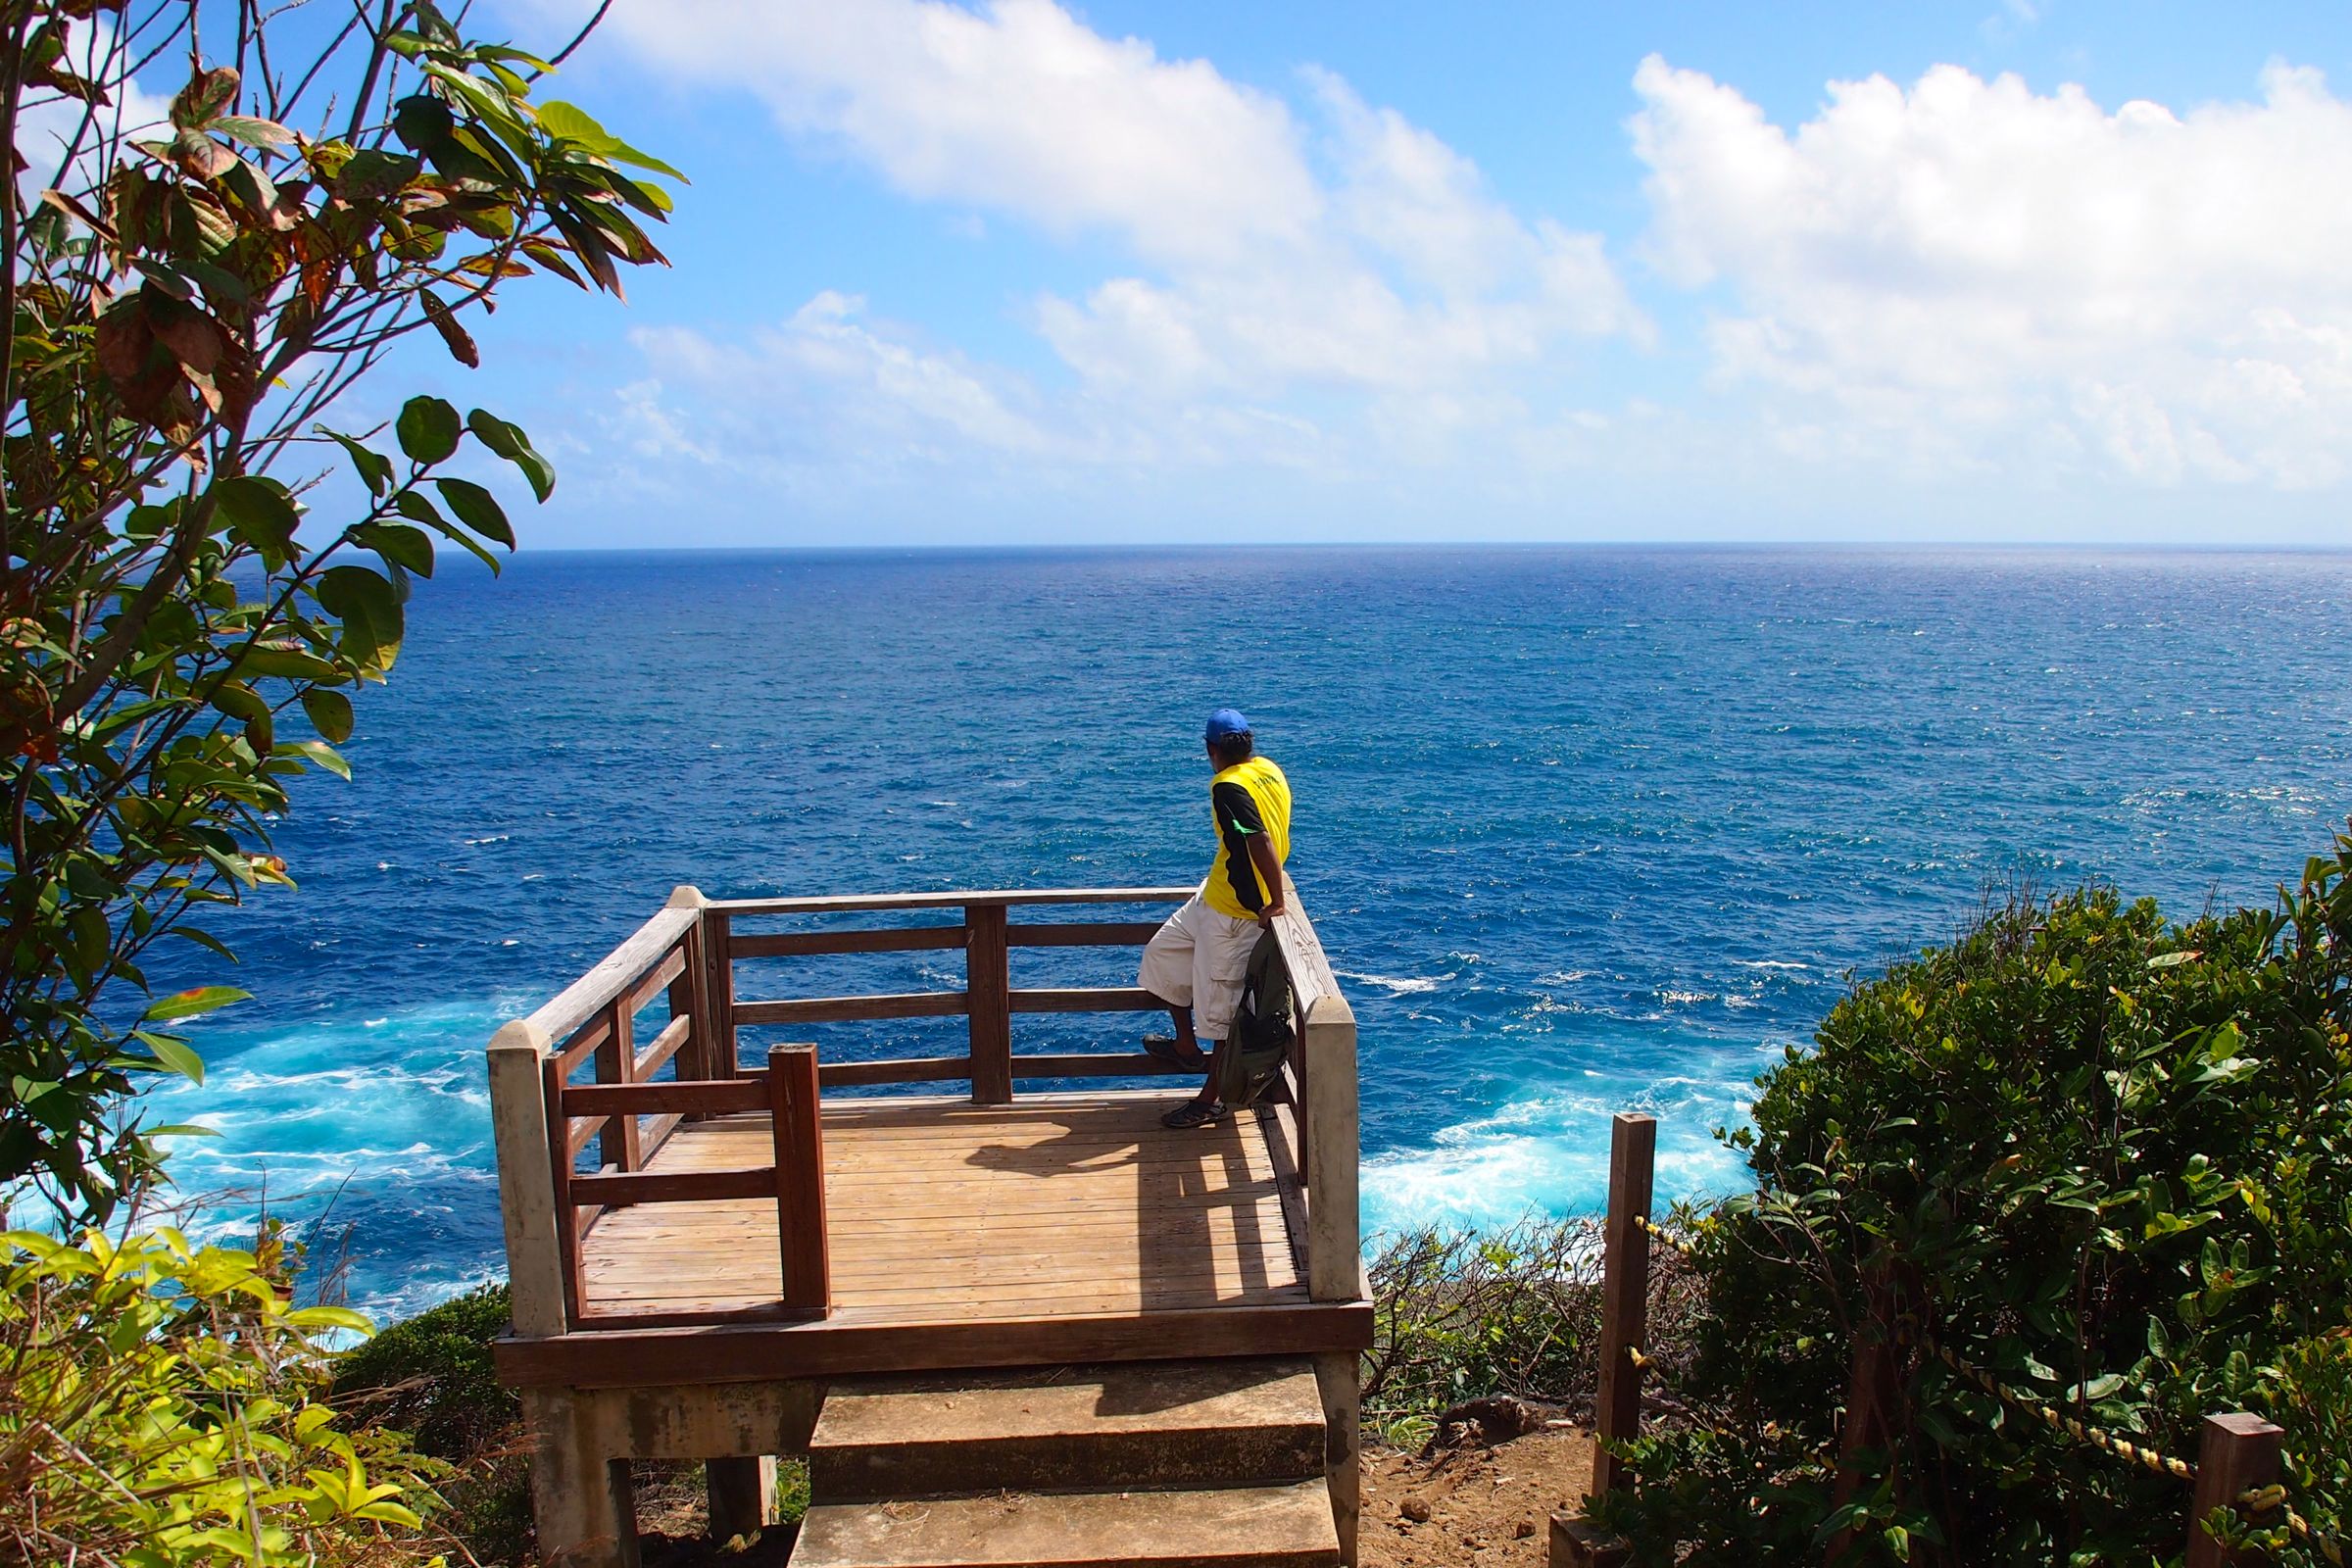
1661,1233
2265,1499
2058,1420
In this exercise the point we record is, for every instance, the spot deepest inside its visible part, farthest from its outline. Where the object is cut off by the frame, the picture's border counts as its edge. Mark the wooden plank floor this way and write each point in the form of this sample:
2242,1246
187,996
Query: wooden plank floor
941,1211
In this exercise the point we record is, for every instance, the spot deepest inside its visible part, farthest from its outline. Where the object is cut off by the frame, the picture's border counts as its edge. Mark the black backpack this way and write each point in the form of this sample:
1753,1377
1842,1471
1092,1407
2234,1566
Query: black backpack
1262,1027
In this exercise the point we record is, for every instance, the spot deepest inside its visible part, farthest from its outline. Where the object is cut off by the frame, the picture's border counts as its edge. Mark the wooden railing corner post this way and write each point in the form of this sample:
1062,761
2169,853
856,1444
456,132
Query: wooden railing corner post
988,1000
1624,1294
526,1188
1335,1240
798,1128
2239,1454
715,1023
692,993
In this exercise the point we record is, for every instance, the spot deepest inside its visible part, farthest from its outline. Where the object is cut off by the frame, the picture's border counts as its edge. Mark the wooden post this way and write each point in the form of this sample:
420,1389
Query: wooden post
718,994
1335,1264
559,1173
743,1495
618,1142
690,997
1624,1294
800,1144
988,995
2239,1453
527,1196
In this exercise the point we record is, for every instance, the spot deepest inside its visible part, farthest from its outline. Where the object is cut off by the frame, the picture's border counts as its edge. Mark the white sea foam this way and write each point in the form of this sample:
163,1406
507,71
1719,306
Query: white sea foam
1547,1152
1401,986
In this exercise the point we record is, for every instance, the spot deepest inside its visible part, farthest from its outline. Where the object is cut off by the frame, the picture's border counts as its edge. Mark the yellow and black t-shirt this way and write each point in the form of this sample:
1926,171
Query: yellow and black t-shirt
1248,798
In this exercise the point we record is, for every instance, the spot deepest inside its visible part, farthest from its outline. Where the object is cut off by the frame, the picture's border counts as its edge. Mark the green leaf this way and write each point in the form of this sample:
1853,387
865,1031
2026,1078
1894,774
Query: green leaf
399,544
285,664
254,132
477,509
173,1056
374,468
190,1003
574,124
203,939
260,514
370,610
373,174
535,468
330,713
429,430
330,1317
325,756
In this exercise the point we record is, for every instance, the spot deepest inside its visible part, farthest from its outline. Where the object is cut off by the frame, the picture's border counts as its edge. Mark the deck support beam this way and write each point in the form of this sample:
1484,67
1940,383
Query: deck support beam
585,1438
743,1495
1336,1374
580,1496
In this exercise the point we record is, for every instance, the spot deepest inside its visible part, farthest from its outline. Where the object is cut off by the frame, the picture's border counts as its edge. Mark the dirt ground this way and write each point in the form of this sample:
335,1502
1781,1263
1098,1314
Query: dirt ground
1471,1508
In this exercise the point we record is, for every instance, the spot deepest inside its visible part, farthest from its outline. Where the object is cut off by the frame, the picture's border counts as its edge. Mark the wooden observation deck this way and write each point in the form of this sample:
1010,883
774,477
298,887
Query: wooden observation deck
706,1236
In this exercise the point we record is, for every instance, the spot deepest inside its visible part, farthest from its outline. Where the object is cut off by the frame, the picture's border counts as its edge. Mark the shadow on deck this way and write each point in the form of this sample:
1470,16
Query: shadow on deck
943,1211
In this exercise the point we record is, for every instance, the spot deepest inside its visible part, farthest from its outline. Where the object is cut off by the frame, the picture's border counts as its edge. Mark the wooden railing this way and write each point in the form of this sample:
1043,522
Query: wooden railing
986,935
690,952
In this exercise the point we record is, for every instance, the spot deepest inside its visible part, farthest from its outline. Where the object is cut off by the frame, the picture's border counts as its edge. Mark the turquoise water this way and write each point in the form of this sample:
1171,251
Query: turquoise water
1583,829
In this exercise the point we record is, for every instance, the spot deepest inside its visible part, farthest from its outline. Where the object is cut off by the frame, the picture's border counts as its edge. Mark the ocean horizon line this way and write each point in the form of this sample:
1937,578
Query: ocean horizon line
1989,549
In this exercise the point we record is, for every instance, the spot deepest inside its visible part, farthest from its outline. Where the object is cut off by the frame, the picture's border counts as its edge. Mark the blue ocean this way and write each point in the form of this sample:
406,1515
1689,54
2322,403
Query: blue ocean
1583,829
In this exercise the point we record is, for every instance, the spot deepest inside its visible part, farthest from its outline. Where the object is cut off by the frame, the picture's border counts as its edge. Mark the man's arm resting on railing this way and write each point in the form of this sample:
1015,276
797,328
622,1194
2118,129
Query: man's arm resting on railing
1269,878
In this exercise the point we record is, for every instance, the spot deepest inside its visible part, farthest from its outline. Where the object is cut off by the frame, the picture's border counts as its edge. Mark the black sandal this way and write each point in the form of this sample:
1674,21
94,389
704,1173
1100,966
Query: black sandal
1163,1048
1192,1113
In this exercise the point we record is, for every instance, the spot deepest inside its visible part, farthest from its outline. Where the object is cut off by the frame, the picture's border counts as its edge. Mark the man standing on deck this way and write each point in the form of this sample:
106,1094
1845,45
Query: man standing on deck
1195,961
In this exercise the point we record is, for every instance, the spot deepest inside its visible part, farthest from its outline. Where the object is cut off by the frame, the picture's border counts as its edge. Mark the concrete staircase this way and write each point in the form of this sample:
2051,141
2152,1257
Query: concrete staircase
1182,1464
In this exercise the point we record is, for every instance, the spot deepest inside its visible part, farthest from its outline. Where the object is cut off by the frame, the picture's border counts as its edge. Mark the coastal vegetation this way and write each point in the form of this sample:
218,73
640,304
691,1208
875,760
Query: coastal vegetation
2098,1154
205,550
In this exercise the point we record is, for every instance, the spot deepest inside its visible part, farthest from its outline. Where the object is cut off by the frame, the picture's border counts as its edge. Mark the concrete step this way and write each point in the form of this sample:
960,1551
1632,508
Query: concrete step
1218,1423
1287,1526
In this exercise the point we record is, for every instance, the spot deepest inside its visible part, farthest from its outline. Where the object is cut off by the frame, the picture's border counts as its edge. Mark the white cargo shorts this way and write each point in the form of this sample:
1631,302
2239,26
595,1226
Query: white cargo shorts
1197,959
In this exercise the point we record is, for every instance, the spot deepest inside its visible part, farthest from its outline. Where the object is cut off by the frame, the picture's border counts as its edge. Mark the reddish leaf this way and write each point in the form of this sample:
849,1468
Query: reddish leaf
460,341
192,337
200,157
207,95
123,339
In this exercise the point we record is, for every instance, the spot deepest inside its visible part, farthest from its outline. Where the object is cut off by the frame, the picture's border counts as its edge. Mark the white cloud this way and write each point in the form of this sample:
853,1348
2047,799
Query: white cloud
2025,284
1021,109
1352,251
60,138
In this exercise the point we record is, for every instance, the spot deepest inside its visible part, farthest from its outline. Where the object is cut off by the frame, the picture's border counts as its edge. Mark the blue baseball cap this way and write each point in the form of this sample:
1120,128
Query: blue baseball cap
1227,723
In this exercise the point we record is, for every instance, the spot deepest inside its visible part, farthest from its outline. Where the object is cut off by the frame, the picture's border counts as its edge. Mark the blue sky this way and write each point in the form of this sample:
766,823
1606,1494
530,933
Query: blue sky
1123,272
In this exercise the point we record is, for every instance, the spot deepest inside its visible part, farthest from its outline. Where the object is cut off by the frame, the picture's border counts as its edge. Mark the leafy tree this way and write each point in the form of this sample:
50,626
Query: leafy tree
2098,1154
180,635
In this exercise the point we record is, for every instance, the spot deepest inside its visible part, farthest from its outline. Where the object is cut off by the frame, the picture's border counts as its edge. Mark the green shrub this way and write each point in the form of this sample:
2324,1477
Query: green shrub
1460,1315
2107,1158
431,1377
162,1406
